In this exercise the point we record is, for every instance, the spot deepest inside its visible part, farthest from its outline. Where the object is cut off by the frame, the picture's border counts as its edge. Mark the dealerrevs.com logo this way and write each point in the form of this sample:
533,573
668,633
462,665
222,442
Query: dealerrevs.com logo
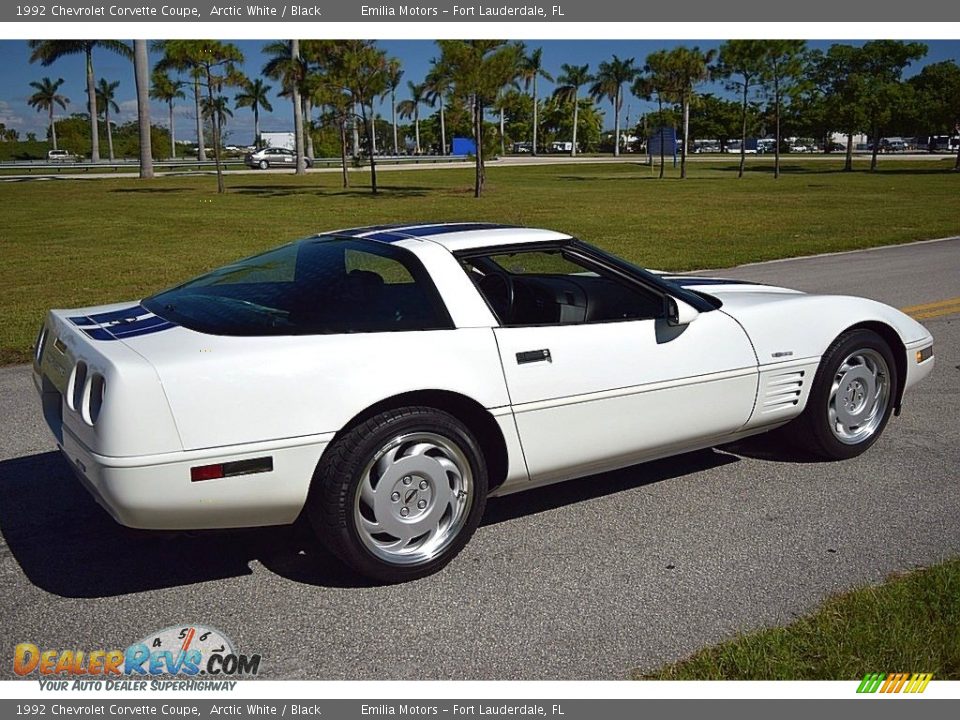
185,652
910,683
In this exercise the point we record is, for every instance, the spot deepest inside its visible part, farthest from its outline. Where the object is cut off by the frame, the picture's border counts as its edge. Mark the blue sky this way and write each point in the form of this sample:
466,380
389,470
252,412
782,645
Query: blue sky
415,55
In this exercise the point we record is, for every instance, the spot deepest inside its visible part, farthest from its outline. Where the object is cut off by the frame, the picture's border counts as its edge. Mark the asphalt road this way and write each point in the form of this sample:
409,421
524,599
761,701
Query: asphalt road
589,579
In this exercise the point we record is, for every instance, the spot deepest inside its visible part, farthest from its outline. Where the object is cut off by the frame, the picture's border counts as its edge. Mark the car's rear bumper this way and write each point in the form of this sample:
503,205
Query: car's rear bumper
156,492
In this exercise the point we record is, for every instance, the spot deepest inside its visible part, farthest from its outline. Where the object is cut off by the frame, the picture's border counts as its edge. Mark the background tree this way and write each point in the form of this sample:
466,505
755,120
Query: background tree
255,95
290,70
714,118
937,93
141,71
659,82
688,67
839,72
366,69
167,90
410,109
782,67
478,69
47,97
742,64
48,52
180,65
885,95
571,79
394,76
216,64
106,92
530,70
608,84
437,85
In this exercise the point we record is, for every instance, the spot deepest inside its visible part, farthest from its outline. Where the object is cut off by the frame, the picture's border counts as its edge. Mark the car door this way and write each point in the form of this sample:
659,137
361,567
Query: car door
592,395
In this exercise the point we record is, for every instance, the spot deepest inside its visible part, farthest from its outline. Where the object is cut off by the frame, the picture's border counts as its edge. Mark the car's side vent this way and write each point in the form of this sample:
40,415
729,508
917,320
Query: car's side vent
782,391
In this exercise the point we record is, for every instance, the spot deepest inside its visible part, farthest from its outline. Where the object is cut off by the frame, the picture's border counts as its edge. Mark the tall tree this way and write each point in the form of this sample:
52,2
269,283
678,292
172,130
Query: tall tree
180,65
48,52
255,94
883,63
531,68
291,70
571,79
657,82
437,85
838,72
742,64
106,99
478,69
167,90
410,109
608,84
217,64
687,67
141,71
937,89
47,97
394,76
366,69
782,67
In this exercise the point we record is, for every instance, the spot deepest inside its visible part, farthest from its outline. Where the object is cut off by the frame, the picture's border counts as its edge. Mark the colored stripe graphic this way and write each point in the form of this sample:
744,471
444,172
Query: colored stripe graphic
888,683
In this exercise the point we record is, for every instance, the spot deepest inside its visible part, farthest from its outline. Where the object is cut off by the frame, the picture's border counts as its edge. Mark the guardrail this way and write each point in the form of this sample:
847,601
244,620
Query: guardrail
230,163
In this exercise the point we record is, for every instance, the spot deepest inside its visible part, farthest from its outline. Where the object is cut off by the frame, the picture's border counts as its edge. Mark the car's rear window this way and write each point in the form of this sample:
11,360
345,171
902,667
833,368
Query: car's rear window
315,286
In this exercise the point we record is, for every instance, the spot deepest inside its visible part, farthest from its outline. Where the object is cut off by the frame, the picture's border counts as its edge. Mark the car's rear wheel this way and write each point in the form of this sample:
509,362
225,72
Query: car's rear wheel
398,496
852,397
264,164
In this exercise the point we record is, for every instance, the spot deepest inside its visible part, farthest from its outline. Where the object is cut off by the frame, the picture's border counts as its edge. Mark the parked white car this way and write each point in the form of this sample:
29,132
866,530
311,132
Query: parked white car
61,156
387,380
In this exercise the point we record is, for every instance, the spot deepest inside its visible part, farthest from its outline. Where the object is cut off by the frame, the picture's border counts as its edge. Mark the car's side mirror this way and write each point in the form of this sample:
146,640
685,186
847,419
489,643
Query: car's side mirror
678,312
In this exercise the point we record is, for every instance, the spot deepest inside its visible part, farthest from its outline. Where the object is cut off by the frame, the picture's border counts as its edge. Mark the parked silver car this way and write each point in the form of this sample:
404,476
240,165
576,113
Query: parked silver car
274,157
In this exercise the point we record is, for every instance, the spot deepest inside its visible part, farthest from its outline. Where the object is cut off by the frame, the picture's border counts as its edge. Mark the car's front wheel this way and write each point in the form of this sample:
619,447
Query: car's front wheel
852,397
398,496
264,164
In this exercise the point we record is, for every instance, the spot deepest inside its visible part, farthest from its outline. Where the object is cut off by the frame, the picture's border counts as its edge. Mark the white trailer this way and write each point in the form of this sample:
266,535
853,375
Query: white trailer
279,140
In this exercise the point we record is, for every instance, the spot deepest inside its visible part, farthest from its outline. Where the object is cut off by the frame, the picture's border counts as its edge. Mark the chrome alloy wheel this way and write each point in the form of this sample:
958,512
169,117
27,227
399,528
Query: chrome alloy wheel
859,396
414,498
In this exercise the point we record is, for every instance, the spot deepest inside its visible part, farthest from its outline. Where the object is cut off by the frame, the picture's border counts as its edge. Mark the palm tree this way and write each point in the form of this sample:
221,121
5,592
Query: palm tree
394,75
287,66
141,70
255,96
608,84
571,80
48,52
531,68
180,65
47,98
437,85
105,99
217,109
411,108
167,90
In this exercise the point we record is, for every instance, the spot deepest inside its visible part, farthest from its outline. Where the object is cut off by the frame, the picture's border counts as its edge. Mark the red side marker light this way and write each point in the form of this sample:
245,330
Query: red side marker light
206,472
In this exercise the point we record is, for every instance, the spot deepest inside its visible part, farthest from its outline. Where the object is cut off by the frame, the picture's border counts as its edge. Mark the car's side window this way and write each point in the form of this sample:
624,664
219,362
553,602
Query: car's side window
554,287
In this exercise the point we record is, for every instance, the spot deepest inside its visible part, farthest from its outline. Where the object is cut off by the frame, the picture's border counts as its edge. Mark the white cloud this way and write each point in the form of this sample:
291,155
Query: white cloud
9,117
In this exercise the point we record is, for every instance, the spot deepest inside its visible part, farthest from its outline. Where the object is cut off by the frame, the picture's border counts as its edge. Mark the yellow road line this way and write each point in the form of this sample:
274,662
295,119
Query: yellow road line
934,309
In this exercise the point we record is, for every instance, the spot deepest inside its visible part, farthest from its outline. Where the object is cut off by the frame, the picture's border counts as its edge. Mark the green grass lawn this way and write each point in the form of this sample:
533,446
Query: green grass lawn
83,242
908,624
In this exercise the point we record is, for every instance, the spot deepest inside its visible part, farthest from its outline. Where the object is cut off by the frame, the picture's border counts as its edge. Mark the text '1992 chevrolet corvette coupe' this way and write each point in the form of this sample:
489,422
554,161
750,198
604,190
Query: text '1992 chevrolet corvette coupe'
386,380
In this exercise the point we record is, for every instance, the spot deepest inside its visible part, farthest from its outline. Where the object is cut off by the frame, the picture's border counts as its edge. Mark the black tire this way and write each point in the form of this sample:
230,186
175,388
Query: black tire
812,430
337,480
263,164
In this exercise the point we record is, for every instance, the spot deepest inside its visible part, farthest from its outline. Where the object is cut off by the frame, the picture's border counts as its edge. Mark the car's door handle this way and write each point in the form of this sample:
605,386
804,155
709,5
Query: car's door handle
529,356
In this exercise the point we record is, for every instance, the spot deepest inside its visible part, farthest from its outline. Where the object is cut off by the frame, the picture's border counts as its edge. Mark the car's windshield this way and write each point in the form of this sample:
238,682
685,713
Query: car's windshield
319,285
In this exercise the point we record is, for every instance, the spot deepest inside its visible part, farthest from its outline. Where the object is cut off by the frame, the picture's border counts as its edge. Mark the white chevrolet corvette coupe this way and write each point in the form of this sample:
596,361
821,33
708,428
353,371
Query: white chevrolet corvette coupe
385,381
